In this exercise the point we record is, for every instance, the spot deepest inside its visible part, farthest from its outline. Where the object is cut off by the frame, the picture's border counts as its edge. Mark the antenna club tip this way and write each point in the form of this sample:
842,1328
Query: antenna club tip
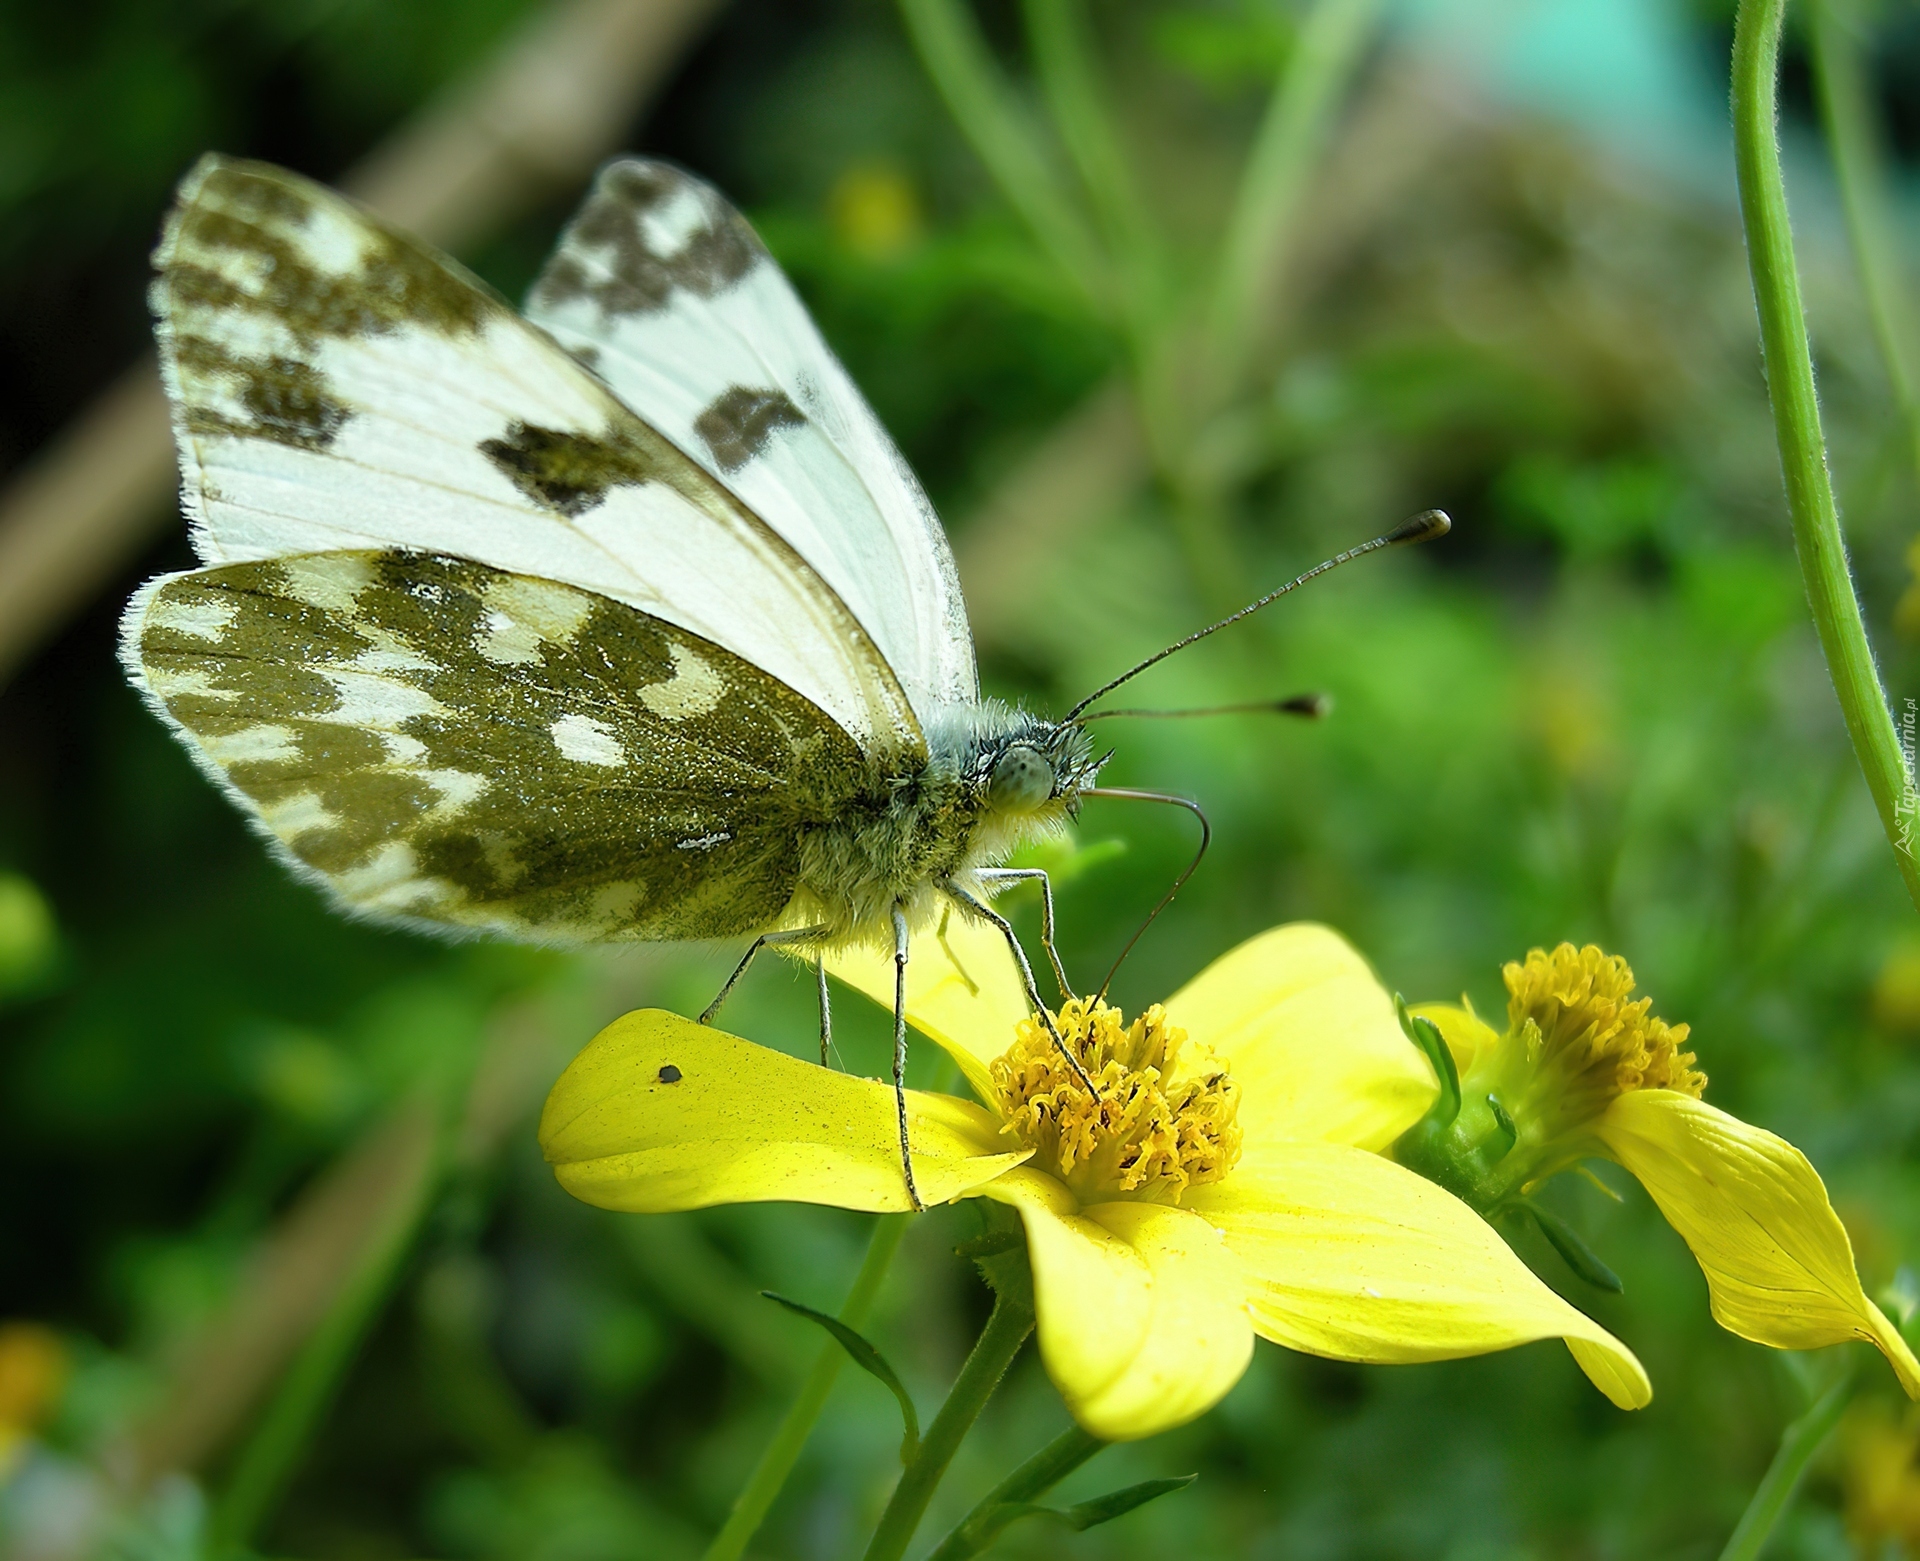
1424,527
1313,707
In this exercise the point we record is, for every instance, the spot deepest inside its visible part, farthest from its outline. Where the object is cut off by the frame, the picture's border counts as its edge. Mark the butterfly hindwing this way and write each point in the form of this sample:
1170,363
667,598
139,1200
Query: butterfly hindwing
444,742
338,386
666,291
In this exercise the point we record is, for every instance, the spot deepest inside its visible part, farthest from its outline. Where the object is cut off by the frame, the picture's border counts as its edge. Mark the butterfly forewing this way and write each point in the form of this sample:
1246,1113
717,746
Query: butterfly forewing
664,288
446,742
338,387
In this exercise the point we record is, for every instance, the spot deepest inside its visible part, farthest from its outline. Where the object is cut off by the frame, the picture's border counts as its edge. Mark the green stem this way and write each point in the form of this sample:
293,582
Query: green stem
993,120
1312,86
1033,1479
993,1352
1063,54
1796,418
1798,1444
272,1453
750,1507
1859,165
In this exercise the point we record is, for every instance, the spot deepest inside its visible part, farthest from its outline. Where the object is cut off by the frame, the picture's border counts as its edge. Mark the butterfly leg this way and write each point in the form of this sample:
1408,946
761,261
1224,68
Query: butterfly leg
765,940
826,1009
1014,875
900,1048
1026,975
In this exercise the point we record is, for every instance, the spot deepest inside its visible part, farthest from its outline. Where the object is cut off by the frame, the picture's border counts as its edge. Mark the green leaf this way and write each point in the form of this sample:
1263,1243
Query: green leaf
1573,1248
869,1360
1090,1514
1104,1509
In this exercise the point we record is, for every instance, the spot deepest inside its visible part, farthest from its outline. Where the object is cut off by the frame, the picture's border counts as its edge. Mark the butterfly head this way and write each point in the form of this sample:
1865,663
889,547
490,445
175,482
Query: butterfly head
1031,769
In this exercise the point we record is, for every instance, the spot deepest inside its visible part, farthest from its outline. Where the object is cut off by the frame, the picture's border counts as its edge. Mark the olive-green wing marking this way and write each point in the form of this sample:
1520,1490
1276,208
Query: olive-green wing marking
441,742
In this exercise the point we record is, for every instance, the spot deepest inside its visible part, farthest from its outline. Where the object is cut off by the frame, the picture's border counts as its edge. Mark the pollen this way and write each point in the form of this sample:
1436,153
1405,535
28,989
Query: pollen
1152,1133
1573,1011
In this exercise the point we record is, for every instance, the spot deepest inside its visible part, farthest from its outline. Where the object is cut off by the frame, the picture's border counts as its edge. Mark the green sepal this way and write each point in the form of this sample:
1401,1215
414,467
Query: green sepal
1426,1037
1087,1514
999,1253
1505,1123
992,1244
1573,1248
1586,1171
869,1360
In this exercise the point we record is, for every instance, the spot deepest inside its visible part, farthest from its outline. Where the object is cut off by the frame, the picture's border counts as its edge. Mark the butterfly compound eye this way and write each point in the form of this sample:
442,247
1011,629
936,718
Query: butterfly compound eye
1022,780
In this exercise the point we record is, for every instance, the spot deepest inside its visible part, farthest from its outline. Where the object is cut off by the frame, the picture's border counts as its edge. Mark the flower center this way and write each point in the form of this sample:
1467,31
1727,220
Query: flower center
1148,1136
1576,1040
1570,1018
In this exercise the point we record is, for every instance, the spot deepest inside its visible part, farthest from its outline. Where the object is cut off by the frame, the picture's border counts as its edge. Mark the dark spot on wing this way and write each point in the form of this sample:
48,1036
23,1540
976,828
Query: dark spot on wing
639,277
286,400
669,1074
247,262
256,210
568,472
738,423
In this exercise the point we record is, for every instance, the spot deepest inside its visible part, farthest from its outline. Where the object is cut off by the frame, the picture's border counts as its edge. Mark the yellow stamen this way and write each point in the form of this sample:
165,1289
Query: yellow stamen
1147,1136
1570,1009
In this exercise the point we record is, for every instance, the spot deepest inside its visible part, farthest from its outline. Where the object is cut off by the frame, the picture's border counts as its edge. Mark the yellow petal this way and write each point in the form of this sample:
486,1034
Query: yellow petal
661,1113
1778,1263
963,989
1142,1308
1312,1037
1467,1035
1351,1256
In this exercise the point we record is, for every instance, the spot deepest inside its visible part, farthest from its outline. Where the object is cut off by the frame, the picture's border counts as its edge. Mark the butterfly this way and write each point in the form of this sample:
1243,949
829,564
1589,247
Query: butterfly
622,619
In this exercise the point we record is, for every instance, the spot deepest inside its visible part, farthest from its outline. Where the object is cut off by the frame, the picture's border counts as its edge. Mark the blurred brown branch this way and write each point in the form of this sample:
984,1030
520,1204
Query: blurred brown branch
552,102
220,1375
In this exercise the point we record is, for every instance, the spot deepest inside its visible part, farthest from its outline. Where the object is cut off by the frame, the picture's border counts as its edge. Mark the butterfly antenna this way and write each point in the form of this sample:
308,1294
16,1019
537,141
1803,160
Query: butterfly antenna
1311,707
1126,794
1423,527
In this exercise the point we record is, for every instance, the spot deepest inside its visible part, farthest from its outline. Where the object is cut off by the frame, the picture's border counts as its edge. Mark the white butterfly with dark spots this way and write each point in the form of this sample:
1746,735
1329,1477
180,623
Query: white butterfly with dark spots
624,619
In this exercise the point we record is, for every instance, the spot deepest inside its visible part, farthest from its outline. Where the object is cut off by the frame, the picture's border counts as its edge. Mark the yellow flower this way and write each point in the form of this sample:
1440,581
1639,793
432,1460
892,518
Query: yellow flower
1225,1184
1584,1070
33,1369
1880,1474
1906,613
874,210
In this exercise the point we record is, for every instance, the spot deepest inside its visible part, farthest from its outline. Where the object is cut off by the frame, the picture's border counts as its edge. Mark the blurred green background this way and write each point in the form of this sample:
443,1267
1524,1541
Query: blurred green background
1511,285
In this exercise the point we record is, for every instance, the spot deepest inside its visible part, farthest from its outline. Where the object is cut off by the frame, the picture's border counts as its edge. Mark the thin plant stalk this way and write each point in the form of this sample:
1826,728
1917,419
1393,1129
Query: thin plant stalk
1856,146
993,1352
999,129
1796,416
769,1475
1313,84
1063,55
1799,1444
1032,1480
